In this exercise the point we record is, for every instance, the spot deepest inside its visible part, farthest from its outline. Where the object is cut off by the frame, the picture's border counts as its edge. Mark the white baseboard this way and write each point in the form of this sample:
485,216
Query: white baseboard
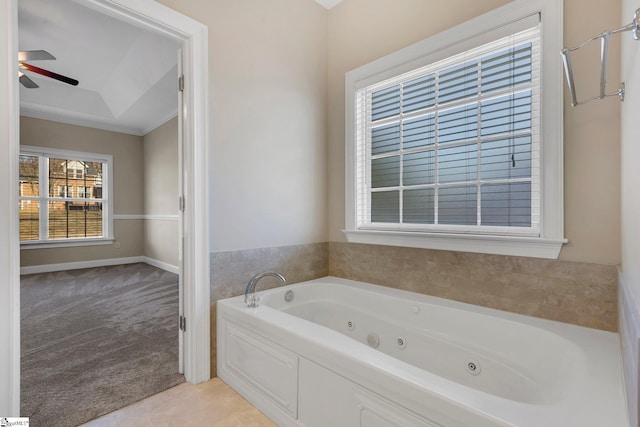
48,268
162,265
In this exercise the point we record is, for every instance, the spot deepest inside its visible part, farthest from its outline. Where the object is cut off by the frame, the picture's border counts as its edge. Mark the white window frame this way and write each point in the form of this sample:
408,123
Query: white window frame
478,31
43,198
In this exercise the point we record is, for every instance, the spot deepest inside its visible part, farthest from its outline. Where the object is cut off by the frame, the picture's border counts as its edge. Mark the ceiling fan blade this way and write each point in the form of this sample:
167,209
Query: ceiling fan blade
34,55
27,82
48,73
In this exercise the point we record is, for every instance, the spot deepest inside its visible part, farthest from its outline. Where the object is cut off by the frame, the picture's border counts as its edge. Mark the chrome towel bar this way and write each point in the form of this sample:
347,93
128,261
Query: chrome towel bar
634,27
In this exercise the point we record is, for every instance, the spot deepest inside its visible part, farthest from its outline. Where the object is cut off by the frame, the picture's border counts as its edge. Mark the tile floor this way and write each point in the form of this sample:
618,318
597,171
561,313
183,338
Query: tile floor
210,404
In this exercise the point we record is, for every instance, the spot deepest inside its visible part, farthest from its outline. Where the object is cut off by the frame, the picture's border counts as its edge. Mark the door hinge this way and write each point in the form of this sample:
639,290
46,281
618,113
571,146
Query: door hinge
181,203
182,323
181,83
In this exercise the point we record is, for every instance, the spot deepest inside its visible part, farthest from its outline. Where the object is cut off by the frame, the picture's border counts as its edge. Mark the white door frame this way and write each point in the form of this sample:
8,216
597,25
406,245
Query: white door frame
151,16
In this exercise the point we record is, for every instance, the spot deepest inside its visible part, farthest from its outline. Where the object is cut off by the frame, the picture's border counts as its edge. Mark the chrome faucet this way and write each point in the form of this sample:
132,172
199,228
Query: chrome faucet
250,298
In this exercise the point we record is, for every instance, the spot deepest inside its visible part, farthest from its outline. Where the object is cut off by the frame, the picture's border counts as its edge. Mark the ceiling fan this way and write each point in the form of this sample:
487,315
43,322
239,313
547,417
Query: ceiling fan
38,55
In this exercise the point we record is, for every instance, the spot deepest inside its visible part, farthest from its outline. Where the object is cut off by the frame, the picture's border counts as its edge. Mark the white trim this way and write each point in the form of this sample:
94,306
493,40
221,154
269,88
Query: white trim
64,243
448,43
9,217
161,265
48,268
499,245
158,217
77,119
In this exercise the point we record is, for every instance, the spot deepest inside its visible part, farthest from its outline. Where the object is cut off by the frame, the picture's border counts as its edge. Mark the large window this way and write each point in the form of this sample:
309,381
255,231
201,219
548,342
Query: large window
62,197
447,151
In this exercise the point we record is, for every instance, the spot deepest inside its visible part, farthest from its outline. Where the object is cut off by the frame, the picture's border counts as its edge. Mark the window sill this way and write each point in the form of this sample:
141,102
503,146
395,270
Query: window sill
534,247
65,243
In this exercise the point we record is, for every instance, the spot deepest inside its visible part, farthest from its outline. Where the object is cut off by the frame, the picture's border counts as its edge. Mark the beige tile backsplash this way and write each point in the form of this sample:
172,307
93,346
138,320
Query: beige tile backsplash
230,272
578,293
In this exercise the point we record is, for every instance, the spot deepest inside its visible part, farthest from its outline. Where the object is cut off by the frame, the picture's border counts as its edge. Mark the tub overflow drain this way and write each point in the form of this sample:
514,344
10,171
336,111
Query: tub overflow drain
473,367
373,340
401,343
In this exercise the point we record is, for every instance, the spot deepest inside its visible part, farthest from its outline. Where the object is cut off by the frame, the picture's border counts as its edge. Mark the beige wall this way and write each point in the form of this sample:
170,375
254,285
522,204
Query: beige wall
363,30
268,87
128,186
592,140
160,154
268,103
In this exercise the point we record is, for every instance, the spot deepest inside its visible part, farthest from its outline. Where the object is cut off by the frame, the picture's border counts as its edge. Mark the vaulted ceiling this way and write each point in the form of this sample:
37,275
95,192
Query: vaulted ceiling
128,76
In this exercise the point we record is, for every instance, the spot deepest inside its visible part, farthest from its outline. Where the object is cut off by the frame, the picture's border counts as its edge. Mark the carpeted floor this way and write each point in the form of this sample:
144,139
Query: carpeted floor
96,340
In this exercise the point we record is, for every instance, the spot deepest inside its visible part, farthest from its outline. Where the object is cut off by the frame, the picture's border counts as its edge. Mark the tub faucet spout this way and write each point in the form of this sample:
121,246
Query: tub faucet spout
250,298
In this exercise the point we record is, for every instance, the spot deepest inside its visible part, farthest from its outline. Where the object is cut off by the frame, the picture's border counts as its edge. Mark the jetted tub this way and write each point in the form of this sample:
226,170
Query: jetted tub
332,352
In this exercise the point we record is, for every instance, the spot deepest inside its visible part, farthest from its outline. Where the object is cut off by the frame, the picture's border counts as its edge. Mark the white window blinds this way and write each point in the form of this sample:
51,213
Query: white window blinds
455,145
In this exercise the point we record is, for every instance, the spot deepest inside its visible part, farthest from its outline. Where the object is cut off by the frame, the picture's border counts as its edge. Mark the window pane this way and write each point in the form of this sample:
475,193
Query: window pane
458,164
419,93
458,205
75,219
93,180
59,178
507,68
385,103
506,158
418,168
385,172
29,173
458,124
385,139
458,82
419,132
75,178
507,204
29,220
506,114
454,138
418,206
385,206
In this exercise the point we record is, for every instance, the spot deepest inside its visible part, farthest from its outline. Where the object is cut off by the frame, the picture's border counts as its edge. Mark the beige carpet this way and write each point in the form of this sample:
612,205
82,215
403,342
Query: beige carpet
96,340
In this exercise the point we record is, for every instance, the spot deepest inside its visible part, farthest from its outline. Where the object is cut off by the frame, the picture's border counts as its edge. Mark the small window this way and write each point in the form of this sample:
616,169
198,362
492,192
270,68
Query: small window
449,148
62,198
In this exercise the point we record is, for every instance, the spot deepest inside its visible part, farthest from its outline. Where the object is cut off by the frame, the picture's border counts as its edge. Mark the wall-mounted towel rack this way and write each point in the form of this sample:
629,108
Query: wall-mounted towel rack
634,27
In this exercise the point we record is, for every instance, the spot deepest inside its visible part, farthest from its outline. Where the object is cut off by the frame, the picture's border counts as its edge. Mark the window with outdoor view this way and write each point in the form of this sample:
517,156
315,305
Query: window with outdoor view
61,195
452,144
448,144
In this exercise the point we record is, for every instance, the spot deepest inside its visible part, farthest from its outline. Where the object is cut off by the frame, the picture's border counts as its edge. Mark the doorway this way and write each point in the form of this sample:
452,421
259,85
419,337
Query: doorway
194,130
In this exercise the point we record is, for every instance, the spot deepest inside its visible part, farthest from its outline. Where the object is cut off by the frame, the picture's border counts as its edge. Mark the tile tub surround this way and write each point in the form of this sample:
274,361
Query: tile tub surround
230,272
579,293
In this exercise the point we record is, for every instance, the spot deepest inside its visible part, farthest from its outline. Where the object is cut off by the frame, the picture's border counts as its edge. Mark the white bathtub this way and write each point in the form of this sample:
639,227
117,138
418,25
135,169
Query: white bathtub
345,353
